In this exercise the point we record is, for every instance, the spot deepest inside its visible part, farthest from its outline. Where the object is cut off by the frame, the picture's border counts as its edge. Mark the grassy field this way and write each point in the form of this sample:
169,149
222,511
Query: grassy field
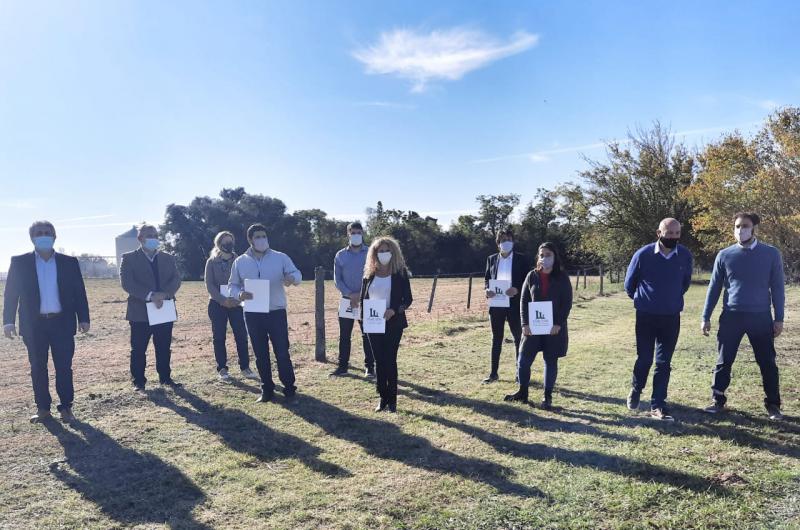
455,456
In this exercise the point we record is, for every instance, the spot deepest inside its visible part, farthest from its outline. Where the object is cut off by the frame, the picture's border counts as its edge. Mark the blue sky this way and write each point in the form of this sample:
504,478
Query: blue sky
109,111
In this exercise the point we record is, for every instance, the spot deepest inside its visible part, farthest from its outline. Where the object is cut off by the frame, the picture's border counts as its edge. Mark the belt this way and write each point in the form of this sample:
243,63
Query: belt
49,316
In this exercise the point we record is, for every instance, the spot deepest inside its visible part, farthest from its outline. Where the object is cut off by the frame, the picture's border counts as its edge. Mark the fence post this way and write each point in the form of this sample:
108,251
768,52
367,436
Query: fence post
584,278
433,291
469,292
601,279
577,278
319,313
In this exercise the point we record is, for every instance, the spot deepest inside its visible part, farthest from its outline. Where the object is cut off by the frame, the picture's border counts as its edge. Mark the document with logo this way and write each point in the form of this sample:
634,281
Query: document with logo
260,291
345,311
499,288
373,316
540,317
166,313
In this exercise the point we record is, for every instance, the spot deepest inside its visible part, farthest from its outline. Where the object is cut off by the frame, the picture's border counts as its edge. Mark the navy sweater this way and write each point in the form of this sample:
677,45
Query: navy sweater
657,284
752,278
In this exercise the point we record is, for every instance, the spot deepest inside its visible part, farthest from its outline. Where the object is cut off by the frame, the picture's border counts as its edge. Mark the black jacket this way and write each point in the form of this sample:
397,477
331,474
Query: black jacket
560,293
399,299
519,268
22,291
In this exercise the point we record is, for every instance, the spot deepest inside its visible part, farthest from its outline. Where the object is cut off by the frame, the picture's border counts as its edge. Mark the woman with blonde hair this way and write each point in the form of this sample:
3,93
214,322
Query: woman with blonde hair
223,309
386,277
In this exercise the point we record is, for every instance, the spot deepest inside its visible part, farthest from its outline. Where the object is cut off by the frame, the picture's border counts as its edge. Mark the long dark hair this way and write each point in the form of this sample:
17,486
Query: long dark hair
556,258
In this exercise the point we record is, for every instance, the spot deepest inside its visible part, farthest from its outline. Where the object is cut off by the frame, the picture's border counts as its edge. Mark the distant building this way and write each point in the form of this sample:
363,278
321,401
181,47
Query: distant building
126,242
96,267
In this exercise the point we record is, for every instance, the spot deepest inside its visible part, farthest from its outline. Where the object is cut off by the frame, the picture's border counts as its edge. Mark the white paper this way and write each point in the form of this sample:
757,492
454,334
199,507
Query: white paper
540,317
345,311
225,290
500,298
373,316
260,292
167,313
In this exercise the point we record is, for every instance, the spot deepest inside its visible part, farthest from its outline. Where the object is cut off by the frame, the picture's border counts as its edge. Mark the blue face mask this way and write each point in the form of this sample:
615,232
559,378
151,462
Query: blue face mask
43,243
151,244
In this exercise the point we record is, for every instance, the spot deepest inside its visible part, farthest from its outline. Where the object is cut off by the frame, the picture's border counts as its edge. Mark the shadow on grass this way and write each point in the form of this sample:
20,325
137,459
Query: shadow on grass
694,422
524,417
589,459
385,440
245,434
128,486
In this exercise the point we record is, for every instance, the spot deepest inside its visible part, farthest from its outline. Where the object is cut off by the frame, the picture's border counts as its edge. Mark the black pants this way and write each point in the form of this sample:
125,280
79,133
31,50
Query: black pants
162,343
532,345
345,333
220,317
498,316
274,327
655,335
54,336
758,327
384,347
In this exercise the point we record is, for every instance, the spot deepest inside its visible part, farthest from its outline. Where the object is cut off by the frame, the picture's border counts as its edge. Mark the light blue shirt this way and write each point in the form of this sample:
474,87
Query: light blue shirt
273,266
47,274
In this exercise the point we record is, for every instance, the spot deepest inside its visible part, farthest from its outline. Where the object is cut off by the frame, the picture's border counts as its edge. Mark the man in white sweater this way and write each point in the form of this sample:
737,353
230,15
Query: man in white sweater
264,263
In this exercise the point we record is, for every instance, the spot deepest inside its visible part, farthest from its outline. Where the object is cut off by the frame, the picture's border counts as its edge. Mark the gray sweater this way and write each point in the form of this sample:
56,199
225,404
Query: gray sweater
272,266
218,272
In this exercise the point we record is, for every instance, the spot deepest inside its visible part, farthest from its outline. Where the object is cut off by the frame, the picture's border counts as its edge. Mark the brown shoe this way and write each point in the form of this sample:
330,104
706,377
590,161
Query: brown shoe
41,415
66,415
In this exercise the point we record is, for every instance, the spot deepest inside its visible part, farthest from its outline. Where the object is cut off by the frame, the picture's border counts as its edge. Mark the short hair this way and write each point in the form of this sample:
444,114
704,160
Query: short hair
508,232
355,225
754,217
37,224
145,226
258,227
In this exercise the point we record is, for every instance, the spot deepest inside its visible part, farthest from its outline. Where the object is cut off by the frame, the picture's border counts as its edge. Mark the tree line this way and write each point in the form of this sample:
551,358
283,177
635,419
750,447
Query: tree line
612,208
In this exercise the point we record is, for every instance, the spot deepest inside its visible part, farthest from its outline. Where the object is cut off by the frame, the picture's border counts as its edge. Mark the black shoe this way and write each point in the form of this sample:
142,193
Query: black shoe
289,394
633,399
491,379
661,413
138,387
265,397
392,407
774,413
517,396
170,382
715,408
369,373
381,406
341,370
547,402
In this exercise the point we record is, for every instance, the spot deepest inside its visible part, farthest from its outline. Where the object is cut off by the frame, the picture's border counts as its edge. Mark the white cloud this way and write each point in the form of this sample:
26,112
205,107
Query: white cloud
768,104
441,55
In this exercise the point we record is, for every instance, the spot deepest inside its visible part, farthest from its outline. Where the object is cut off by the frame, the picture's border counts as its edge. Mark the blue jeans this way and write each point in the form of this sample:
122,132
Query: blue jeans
220,316
531,345
264,328
655,334
733,326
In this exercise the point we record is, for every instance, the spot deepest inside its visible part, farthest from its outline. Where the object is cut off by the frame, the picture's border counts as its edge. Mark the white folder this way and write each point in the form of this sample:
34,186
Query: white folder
373,316
166,313
260,291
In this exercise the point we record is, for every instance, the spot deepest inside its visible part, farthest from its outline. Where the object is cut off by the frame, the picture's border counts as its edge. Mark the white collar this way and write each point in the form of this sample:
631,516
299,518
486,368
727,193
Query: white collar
510,255
671,252
752,245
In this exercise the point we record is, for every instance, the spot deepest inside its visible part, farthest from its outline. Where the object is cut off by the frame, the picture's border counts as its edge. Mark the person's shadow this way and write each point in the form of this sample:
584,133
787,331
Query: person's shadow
245,434
386,440
128,486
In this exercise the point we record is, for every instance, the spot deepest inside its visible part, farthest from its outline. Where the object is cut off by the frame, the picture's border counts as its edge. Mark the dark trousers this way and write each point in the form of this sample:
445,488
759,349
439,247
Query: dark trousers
384,347
263,328
162,343
220,317
733,326
655,335
531,345
498,316
345,333
54,336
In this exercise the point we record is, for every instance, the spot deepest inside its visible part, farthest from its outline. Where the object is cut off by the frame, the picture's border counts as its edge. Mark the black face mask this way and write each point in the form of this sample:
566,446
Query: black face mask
669,242
227,248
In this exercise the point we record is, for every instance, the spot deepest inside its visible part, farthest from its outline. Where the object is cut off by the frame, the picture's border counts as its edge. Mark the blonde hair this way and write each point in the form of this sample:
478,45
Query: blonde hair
397,264
216,250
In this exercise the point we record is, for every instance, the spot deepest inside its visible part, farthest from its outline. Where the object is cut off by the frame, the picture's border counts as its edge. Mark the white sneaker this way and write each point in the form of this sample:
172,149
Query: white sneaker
224,376
249,374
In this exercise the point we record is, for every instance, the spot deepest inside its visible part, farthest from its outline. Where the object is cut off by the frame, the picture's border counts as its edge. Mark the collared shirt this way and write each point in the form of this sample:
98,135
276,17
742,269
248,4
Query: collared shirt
504,266
47,274
751,247
273,266
149,257
671,253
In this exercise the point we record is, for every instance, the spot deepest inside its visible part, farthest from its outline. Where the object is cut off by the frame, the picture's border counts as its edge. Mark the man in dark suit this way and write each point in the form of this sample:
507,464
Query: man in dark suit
511,266
48,290
148,275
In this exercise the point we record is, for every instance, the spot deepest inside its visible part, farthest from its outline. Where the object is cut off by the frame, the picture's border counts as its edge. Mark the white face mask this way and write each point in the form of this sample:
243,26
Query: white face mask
384,257
261,244
356,239
743,234
547,262
506,247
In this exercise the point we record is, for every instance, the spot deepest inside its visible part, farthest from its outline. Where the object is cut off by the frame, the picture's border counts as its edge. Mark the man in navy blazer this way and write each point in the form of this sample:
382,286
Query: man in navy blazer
47,288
